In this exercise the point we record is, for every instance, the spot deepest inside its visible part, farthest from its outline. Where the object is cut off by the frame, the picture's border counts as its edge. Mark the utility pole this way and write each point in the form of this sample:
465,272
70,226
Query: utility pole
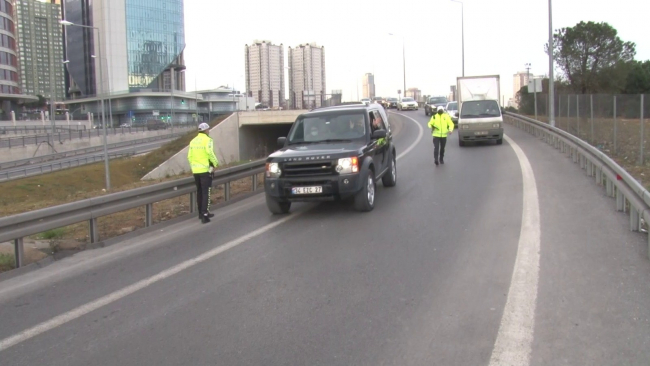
551,86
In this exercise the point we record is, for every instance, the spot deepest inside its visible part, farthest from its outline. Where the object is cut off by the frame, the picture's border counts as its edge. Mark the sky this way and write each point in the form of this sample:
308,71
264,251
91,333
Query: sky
501,36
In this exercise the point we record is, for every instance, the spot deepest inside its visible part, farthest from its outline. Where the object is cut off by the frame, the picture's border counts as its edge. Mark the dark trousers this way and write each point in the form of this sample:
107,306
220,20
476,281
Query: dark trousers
203,183
439,144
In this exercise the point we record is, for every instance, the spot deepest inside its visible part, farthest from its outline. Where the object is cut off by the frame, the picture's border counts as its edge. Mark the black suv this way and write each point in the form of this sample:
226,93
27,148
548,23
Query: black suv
332,153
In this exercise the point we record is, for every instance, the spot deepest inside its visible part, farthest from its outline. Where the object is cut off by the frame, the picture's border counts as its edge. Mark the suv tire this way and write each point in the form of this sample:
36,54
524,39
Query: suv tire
364,200
390,178
276,206
499,141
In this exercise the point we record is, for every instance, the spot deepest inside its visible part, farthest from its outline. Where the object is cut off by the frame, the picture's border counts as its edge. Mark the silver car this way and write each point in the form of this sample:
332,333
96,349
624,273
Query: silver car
452,110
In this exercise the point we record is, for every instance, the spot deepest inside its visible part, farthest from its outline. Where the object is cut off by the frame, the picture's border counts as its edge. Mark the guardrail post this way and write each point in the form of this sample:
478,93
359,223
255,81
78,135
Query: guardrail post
93,230
148,221
226,191
254,182
609,186
620,200
192,202
634,219
19,252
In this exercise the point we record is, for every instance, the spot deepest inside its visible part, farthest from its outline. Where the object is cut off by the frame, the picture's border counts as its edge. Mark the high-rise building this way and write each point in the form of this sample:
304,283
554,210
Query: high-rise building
414,93
9,80
142,44
265,73
520,80
40,48
368,85
307,76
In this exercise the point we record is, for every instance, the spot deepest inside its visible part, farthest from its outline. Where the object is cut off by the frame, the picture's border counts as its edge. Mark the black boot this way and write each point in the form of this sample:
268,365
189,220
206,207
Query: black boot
436,161
205,219
442,160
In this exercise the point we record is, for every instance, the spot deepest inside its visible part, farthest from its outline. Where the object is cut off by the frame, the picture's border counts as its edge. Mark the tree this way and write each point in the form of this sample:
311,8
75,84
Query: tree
587,52
638,78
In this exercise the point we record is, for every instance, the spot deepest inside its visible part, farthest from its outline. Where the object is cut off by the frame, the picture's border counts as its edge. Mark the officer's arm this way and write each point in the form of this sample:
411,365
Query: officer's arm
451,124
213,158
431,123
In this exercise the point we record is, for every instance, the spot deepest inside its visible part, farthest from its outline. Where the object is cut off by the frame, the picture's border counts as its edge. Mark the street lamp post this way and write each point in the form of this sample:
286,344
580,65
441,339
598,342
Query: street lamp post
462,30
172,75
101,81
403,61
551,86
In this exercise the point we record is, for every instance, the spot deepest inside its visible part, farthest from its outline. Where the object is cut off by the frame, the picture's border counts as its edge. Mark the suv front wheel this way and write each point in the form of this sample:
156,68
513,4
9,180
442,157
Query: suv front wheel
276,206
364,200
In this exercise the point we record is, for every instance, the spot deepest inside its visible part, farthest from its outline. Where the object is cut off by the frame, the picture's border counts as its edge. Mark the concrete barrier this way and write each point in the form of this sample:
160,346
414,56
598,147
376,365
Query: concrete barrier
226,148
269,117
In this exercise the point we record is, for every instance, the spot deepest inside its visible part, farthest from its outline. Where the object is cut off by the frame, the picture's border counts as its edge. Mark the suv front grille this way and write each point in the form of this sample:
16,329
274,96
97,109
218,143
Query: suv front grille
310,169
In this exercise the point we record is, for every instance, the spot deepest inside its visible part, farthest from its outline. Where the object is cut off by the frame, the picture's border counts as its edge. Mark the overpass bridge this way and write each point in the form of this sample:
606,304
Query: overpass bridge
505,255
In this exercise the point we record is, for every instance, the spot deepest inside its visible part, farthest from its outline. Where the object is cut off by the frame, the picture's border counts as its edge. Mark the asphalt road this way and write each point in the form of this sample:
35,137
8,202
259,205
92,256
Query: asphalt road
425,278
93,157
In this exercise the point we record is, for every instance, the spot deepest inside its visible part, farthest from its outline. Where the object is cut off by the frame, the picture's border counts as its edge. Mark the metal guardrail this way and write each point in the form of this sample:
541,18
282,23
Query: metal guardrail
84,151
4,130
36,139
15,228
59,165
630,195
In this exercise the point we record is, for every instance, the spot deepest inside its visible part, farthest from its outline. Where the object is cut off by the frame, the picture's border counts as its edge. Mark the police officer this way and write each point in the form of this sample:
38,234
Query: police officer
202,161
441,126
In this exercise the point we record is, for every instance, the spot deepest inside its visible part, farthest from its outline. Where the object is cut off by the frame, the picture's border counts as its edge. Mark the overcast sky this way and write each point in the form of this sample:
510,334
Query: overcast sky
501,36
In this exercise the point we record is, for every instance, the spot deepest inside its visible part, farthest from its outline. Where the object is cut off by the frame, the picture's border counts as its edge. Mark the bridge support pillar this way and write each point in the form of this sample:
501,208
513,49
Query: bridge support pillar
93,230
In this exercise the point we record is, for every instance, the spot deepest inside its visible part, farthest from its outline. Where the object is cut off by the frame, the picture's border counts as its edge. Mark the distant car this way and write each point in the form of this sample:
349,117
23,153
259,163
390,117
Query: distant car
156,124
390,103
377,100
452,110
406,104
366,101
433,103
125,125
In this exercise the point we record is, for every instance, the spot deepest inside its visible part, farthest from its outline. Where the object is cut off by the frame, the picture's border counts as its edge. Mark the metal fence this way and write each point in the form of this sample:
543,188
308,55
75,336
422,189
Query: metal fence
36,139
24,130
614,124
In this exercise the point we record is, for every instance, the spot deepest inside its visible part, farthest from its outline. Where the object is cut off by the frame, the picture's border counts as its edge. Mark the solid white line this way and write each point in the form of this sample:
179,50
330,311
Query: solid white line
117,295
513,345
414,144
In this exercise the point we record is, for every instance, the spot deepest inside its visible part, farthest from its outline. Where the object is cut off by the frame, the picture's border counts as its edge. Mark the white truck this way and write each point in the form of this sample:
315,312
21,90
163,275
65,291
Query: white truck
479,117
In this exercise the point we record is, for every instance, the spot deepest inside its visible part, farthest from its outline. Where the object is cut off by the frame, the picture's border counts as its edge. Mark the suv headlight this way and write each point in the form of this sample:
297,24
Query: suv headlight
496,125
348,165
273,170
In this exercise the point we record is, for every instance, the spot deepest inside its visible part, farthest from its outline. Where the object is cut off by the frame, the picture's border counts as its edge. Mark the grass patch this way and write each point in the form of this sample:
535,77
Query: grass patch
52,234
7,262
69,185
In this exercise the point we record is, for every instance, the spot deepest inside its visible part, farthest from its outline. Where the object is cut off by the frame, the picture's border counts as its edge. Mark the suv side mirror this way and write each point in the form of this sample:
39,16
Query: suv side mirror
282,141
379,134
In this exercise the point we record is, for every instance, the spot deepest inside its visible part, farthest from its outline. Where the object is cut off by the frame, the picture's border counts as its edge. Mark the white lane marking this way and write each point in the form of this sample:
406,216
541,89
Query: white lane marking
420,134
117,295
85,261
513,345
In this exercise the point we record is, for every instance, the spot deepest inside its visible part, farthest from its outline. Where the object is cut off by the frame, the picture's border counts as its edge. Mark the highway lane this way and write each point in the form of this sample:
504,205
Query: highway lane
423,279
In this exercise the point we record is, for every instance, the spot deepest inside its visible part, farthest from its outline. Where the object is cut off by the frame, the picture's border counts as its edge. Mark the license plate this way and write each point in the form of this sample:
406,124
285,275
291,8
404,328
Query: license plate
307,190
480,133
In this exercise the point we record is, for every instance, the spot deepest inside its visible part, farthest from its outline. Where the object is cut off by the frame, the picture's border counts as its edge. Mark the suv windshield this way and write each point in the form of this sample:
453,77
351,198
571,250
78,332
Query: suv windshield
407,99
452,106
341,126
480,109
392,99
437,100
